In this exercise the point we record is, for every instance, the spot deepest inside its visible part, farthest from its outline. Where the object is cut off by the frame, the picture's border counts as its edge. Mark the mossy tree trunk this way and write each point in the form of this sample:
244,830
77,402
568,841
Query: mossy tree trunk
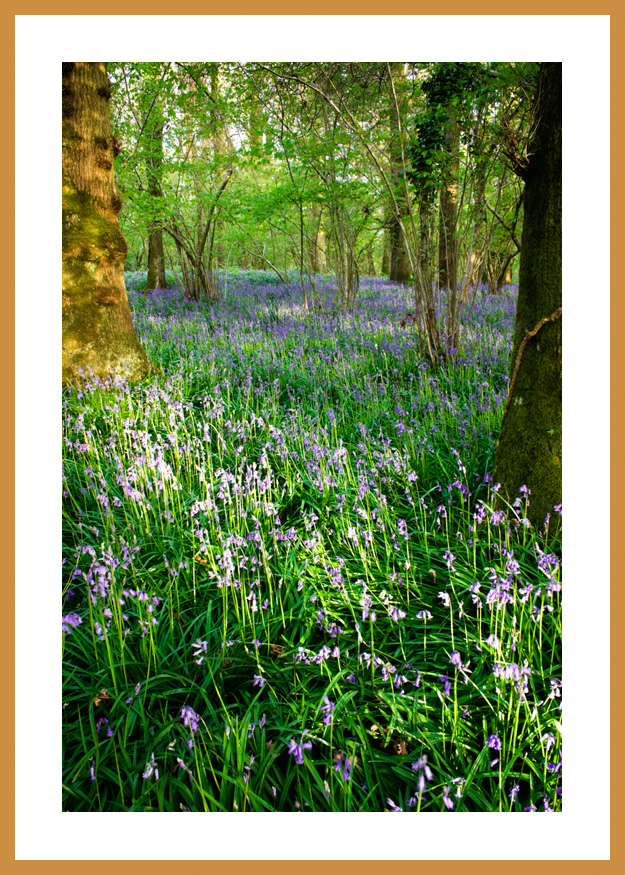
97,327
529,451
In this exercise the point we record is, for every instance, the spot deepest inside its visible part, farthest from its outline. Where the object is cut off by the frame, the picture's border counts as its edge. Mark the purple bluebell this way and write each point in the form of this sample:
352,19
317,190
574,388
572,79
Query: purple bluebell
328,708
185,768
297,750
200,651
70,621
190,718
455,658
136,693
151,768
343,766
494,742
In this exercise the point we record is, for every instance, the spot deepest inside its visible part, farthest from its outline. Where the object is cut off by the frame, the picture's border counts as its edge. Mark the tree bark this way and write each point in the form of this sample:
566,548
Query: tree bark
156,260
529,451
97,327
385,269
156,253
447,242
399,268
317,241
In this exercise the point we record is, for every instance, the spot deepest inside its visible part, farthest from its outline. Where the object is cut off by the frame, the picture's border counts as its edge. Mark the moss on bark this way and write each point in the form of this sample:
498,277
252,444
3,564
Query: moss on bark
529,451
98,334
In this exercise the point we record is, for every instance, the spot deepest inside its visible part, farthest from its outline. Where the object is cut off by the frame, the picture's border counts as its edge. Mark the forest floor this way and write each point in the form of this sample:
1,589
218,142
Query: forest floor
288,583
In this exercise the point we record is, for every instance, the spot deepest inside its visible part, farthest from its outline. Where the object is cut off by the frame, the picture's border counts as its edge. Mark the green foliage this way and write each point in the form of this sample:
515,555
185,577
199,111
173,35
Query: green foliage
281,472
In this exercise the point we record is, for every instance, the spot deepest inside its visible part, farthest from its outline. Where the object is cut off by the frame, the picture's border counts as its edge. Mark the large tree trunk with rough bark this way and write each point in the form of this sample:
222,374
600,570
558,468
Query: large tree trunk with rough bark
529,451
98,334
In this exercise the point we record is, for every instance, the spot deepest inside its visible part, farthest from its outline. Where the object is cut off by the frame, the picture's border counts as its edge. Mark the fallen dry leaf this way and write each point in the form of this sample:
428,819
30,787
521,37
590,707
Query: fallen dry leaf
102,696
399,746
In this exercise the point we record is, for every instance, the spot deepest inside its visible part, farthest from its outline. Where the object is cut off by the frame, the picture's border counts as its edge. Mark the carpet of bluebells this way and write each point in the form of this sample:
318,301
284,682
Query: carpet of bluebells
288,584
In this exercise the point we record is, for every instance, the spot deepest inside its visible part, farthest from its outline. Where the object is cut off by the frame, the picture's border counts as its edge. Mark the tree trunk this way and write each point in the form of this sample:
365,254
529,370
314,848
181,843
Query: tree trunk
529,451
97,327
385,270
399,267
317,254
447,243
426,220
156,261
156,254
370,263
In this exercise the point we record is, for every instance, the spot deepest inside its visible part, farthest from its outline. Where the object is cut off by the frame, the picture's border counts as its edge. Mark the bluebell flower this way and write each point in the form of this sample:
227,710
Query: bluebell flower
190,718
297,750
101,722
151,768
343,766
200,648
184,768
70,621
555,767
423,771
328,708
136,693
494,742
